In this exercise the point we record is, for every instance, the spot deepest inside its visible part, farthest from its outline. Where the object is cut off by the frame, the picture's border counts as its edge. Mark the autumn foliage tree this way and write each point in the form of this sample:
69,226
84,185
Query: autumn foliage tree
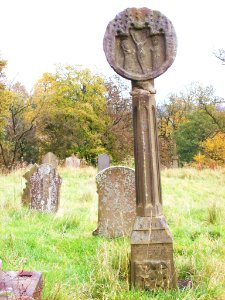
119,133
87,114
171,115
21,115
214,148
212,152
73,110
190,135
76,119
3,95
70,111
187,119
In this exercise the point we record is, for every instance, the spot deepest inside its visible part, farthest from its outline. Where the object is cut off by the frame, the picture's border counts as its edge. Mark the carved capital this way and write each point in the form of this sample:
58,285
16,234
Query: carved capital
143,87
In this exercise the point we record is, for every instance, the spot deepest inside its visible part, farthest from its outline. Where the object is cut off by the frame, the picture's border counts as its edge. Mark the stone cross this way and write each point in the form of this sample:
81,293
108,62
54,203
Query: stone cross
140,44
103,162
116,201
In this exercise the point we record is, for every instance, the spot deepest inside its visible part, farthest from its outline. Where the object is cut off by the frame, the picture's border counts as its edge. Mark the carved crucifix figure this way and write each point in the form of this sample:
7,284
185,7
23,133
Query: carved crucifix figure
139,38
151,39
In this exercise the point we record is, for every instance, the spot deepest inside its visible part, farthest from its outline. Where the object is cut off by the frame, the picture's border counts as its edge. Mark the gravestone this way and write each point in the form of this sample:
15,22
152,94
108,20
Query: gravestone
116,205
26,196
140,44
20,285
72,162
103,162
83,163
50,159
42,188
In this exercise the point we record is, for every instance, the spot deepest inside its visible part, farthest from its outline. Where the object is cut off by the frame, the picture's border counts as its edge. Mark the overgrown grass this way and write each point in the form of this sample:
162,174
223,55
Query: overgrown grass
77,265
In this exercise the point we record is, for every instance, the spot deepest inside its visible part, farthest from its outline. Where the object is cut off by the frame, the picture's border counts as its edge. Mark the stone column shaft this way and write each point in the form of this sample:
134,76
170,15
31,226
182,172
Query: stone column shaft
147,167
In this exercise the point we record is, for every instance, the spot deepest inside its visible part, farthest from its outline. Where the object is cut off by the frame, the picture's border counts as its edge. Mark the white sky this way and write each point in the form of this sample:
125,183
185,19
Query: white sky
37,34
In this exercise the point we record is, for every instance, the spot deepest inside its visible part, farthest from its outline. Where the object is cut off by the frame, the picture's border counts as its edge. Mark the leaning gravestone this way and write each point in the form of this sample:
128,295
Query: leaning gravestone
50,159
116,205
72,162
42,188
103,162
26,196
140,44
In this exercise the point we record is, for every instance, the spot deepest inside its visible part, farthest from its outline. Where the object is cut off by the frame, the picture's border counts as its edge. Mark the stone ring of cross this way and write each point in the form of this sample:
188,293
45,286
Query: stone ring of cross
140,43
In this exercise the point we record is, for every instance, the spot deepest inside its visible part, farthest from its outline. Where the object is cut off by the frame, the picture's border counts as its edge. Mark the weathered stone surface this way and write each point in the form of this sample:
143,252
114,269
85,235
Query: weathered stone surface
50,159
147,164
72,162
26,196
103,162
20,285
140,43
116,207
152,264
31,171
175,162
42,188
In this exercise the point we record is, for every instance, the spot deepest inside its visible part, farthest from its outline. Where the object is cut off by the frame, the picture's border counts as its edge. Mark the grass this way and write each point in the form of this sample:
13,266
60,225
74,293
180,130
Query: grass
77,265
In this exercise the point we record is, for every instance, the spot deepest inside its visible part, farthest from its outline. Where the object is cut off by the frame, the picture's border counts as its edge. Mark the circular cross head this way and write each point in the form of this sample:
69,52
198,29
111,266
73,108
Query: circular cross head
140,43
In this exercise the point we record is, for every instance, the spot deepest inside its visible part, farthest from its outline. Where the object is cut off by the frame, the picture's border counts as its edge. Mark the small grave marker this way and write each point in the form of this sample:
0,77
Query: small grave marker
103,162
72,162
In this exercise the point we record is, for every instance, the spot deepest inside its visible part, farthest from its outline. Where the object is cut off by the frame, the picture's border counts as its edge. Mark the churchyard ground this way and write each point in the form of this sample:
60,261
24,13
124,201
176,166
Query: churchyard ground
77,265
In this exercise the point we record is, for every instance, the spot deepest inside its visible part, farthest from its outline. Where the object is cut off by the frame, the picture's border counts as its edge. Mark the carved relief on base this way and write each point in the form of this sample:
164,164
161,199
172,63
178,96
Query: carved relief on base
152,274
152,264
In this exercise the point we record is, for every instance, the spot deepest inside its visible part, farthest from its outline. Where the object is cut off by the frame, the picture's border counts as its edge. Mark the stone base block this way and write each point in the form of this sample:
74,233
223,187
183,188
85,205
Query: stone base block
152,265
20,285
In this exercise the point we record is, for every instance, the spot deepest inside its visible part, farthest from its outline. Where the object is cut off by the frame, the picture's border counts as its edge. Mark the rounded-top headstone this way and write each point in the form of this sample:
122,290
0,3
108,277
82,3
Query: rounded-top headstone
117,204
140,43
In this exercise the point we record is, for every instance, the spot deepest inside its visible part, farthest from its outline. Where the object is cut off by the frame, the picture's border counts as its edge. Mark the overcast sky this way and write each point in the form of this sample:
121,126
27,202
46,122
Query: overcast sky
37,34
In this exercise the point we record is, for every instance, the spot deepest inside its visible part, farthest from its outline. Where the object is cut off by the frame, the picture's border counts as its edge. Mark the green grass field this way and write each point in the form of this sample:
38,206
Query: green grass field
77,265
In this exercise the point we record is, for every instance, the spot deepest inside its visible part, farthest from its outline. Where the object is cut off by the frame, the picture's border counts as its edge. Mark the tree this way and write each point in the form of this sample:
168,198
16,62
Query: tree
3,64
18,117
179,116
76,119
191,134
204,98
214,148
220,54
170,115
119,133
4,96
18,126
